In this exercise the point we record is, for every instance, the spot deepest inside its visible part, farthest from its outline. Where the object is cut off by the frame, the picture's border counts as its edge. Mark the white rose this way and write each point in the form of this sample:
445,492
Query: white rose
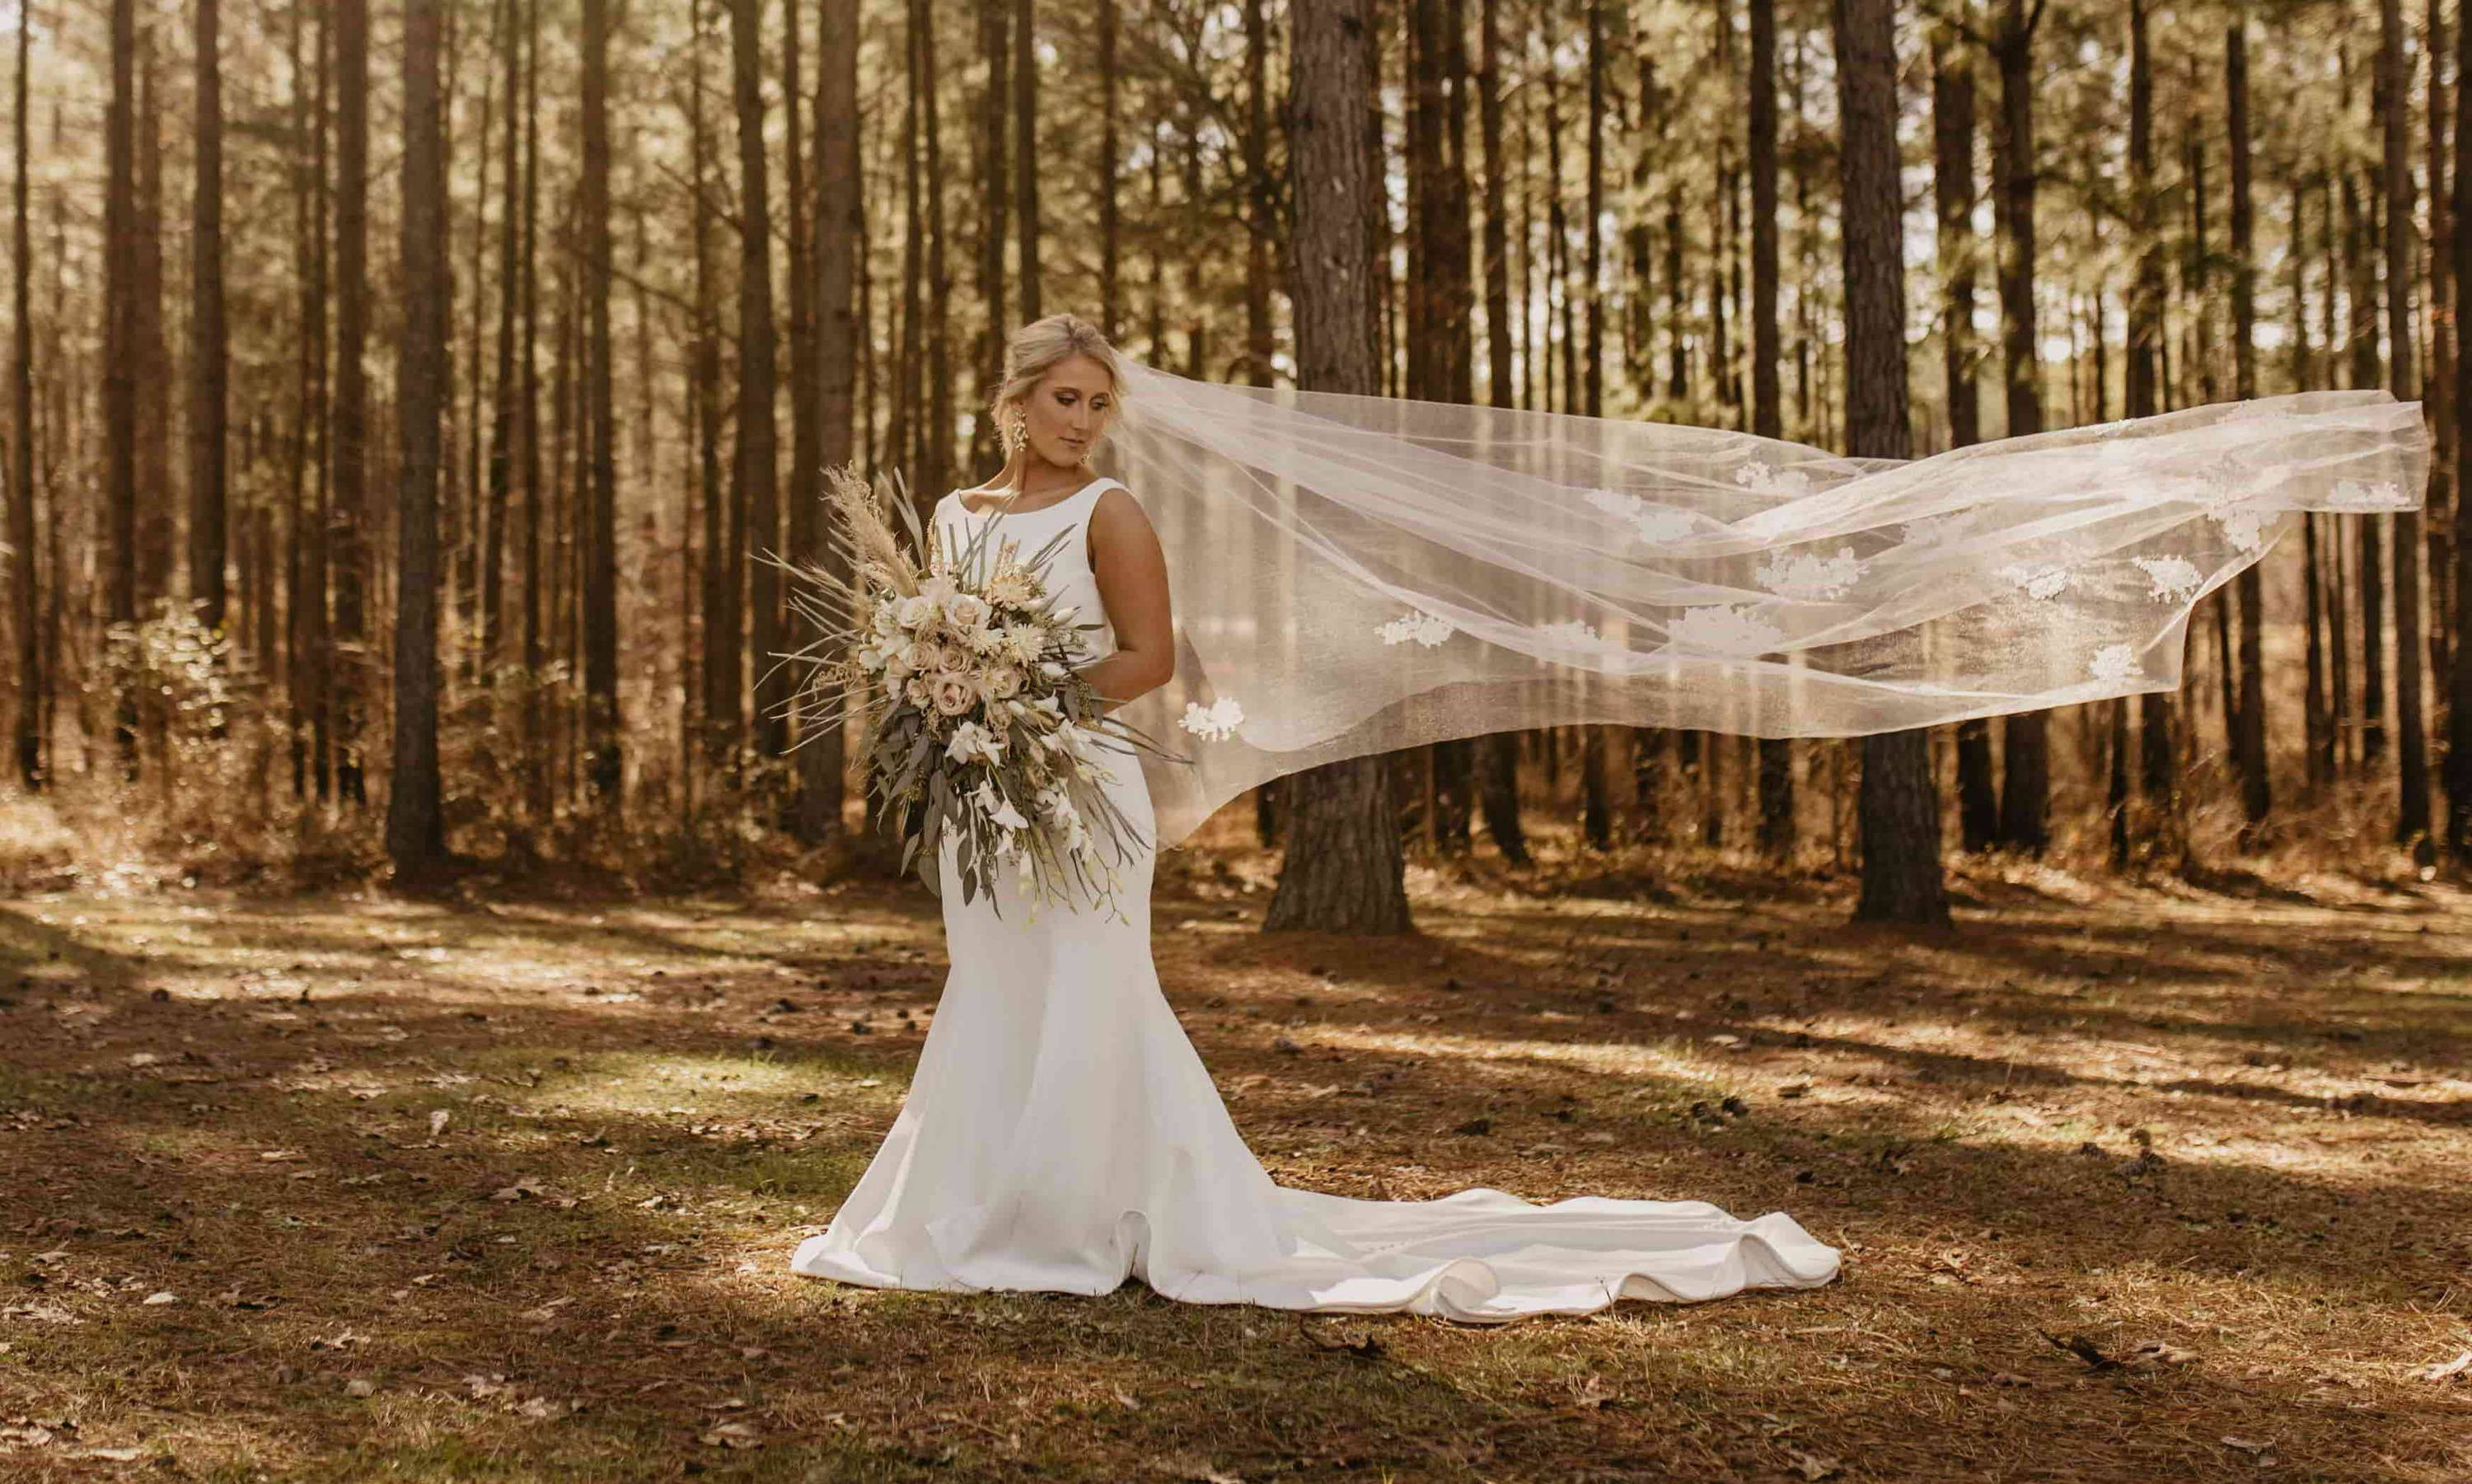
1003,683
915,692
916,610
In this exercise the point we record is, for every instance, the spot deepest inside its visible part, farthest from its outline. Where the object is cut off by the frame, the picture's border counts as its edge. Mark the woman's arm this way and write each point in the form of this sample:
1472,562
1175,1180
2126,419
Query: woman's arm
1131,570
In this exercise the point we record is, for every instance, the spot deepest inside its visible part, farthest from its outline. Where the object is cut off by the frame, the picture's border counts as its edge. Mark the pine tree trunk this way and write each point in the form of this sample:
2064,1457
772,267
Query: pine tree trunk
2249,728
350,517
722,620
208,356
1497,755
1025,161
24,577
2459,735
2411,827
1111,246
1343,870
995,215
604,764
1260,200
416,828
2026,742
839,236
1776,782
1900,811
120,371
1953,128
2371,572
502,417
937,468
757,489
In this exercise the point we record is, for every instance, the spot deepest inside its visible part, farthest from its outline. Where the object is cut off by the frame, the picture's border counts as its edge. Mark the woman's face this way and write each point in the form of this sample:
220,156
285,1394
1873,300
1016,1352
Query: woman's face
1068,412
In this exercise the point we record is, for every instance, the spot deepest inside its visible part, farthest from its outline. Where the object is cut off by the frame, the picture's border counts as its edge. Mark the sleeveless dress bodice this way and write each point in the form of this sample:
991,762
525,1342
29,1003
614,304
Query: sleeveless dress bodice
1070,581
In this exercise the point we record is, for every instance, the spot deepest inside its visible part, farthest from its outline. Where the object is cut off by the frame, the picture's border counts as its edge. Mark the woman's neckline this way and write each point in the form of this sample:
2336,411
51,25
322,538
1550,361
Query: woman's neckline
1036,510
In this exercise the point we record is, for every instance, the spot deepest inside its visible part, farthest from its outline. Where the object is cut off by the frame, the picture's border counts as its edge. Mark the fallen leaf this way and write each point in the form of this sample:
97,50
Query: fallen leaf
734,1435
2461,1365
2158,1352
1813,1466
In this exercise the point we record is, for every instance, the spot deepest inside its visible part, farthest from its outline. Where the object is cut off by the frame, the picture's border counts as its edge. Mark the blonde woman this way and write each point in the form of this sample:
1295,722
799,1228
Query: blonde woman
1060,1132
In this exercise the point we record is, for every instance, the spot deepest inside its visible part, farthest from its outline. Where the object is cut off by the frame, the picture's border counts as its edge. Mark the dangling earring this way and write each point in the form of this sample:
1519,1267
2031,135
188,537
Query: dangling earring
1014,432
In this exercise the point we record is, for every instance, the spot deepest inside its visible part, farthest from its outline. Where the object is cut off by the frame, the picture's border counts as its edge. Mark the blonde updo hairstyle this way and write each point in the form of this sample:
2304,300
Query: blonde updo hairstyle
1038,348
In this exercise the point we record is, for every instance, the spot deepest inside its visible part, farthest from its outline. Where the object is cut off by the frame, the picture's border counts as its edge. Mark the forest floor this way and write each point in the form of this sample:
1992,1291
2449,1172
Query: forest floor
2132,1184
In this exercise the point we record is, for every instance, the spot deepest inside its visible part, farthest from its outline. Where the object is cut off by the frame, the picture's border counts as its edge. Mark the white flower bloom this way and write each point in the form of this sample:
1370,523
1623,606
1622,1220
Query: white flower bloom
1218,723
2045,582
2175,578
1424,628
2114,663
916,610
974,742
998,807
1803,575
2385,494
1013,588
1725,629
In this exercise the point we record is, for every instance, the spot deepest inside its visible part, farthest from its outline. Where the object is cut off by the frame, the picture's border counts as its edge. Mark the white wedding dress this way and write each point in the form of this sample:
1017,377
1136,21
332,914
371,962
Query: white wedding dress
1061,1134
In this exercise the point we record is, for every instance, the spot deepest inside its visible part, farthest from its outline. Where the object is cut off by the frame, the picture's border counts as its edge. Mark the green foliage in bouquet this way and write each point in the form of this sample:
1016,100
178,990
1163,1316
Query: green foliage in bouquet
979,729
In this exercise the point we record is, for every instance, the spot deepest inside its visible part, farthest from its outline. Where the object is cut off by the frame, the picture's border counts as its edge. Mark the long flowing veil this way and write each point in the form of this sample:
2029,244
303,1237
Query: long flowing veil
1353,574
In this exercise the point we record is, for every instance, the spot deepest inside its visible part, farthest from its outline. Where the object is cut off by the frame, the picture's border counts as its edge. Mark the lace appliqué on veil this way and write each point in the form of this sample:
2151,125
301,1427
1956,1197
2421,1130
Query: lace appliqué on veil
1416,624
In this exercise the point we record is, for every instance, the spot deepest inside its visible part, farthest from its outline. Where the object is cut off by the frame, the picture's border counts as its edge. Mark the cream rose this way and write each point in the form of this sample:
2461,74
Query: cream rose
967,612
953,692
915,692
1003,683
952,655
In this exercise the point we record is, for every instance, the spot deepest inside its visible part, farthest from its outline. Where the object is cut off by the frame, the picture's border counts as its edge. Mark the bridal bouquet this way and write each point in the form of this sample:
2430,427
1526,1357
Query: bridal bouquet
979,727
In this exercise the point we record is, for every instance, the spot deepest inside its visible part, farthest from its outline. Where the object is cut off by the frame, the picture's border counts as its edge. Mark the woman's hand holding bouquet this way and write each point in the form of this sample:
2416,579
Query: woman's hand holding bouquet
979,727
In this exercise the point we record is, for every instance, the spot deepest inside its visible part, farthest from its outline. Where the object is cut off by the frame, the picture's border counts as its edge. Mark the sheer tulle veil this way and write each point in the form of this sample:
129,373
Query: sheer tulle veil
1356,574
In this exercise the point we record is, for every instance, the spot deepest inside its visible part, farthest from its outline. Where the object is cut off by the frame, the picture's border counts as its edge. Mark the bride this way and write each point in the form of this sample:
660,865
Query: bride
1061,1133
